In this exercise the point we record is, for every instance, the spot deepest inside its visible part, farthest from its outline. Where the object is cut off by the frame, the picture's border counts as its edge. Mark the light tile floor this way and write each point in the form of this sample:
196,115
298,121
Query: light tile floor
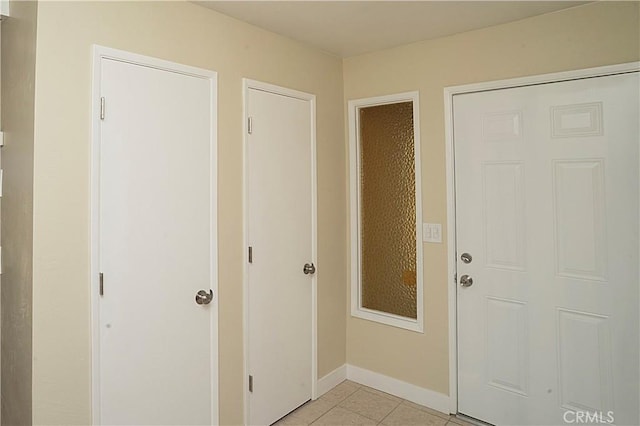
352,404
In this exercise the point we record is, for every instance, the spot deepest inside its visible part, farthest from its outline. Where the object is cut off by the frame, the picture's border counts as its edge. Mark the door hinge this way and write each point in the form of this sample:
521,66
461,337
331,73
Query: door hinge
250,254
102,108
101,284
250,383
249,125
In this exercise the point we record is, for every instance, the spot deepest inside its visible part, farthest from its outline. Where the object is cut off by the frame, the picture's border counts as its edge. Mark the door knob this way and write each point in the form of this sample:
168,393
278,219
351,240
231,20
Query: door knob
466,281
204,298
309,268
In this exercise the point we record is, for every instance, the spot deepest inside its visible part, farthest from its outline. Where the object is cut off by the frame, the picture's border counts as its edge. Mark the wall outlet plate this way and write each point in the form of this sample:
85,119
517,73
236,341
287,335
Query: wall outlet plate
432,232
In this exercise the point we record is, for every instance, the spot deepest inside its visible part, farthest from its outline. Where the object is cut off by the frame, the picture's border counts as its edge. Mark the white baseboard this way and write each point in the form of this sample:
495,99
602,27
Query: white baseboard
434,400
428,398
331,380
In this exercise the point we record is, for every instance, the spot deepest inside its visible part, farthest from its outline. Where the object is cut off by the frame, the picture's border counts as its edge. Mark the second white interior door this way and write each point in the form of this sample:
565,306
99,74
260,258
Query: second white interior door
280,197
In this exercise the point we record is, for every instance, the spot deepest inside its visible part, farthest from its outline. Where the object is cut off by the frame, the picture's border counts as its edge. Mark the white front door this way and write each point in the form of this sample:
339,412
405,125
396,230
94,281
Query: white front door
547,211
280,206
157,355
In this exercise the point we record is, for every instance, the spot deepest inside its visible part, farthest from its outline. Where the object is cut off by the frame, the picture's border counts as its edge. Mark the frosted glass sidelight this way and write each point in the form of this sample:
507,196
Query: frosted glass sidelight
388,209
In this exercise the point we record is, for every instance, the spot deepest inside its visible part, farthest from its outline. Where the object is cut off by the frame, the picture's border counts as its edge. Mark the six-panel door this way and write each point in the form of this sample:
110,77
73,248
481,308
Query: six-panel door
547,205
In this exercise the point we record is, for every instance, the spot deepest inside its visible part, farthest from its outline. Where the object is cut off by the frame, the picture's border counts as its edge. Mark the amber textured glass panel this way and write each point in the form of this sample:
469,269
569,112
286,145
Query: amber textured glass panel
388,209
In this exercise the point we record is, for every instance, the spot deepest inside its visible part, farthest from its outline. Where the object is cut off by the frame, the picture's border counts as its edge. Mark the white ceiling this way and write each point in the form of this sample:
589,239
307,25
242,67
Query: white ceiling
348,28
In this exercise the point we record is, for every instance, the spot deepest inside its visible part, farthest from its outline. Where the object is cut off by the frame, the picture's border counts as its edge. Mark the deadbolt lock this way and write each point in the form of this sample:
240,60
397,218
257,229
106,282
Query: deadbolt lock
466,258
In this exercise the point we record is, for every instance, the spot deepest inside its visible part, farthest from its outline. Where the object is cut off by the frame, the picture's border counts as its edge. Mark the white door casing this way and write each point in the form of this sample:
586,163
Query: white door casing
154,240
547,204
280,227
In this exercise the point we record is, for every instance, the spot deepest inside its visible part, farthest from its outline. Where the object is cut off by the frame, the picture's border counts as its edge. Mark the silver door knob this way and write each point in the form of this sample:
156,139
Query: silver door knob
309,268
466,281
204,298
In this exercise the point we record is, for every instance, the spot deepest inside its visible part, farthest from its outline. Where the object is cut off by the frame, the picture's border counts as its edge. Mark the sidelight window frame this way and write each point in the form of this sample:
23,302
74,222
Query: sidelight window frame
357,310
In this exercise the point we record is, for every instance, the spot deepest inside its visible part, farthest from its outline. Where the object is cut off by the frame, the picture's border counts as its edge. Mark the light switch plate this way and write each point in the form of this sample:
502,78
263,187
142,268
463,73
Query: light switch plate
432,232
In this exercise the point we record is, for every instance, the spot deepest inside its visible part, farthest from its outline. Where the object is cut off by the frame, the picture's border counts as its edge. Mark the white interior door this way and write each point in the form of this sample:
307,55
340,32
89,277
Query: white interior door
547,207
280,233
157,347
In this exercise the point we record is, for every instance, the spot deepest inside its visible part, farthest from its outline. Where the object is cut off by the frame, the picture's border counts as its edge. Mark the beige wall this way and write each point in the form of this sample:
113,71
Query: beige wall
189,34
18,76
586,36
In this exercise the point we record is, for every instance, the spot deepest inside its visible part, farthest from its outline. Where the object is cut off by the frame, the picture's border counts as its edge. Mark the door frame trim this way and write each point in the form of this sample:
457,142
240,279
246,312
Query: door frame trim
449,93
248,84
98,54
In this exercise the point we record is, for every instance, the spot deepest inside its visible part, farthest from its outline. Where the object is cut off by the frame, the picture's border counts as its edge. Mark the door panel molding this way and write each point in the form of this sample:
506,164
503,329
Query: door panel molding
449,93
100,53
247,85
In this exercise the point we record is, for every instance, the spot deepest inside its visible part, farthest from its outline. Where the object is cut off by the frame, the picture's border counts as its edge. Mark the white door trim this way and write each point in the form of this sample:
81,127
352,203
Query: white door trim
449,92
266,87
99,53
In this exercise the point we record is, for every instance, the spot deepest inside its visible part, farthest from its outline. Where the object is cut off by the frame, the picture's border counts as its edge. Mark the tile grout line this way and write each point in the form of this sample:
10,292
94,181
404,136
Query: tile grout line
382,394
337,404
398,401
390,412
364,415
395,400
372,392
428,410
